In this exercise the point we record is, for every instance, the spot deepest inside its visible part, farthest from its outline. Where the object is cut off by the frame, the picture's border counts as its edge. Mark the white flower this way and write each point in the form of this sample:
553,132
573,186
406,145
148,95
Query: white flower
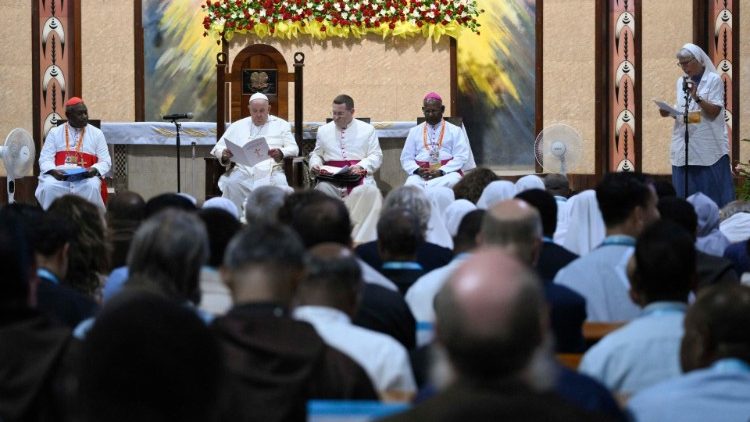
430,15
423,8
375,6
309,5
347,8
345,15
415,13
319,8
251,11
337,6
392,9
262,12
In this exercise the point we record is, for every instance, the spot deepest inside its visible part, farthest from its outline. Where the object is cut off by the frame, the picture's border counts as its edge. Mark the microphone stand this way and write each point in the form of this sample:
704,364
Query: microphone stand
177,126
686,90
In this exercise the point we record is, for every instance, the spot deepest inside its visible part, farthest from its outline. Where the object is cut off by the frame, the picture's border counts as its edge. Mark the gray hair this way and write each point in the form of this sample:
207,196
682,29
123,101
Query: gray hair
684,53
263,204
413,199
167,253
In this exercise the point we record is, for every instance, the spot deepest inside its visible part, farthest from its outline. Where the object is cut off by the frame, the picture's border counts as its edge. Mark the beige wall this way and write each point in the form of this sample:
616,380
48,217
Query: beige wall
665,29
569,70
107,59
744,126
15,70
406,70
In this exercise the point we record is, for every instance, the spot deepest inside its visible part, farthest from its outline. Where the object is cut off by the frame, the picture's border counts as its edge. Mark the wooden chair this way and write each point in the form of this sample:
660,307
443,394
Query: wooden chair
570,360
595,331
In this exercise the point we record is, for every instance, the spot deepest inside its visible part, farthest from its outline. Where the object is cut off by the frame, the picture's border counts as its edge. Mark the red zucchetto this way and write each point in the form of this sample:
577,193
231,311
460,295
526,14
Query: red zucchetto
73,101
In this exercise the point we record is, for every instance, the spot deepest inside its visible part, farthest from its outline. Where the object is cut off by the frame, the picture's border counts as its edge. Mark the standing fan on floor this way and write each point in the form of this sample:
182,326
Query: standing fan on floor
18,157
558,148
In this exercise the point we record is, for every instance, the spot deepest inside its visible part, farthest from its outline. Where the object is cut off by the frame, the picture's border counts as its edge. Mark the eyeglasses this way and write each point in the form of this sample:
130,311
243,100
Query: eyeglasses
684,63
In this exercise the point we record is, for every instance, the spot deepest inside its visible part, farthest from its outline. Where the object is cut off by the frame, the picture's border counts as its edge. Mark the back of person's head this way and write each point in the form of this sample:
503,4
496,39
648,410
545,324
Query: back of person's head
263,204
733,208
16,260
619,193
707,212
89,251
221,227
679,211
317,218
221,203
399,233
514,226
557,184
333,278
471,186
273,250
168,200
126,206
545,203
466,237
51,233
716,327
413,199
149,359
167,253
664,263
489,316
664,189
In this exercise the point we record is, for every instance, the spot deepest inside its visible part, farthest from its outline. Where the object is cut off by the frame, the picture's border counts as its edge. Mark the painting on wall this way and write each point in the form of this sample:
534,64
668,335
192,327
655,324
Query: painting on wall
497,85
179,62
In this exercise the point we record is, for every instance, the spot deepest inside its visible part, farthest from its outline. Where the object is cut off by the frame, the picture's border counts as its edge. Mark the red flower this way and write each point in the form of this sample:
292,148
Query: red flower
323,28
392,25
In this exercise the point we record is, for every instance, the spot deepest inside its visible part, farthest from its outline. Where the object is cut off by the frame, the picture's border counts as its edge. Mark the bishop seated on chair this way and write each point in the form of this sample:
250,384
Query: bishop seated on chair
73,159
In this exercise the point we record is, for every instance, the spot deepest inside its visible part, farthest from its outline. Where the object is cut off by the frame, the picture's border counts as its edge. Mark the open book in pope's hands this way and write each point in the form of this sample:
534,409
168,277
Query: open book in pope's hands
250,152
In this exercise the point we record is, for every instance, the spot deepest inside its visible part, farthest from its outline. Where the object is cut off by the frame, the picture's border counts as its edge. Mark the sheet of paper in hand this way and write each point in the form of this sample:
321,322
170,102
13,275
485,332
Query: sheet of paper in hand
249,153
668,108
333,170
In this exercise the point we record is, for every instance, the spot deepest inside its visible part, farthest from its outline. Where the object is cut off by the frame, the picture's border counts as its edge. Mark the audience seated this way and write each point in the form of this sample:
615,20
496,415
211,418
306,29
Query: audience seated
735,221
558,186
30,344
276,363
398,237
125,211
496,191
490,315
327,298
421,295
585,231
710,239
88,255
148,358
516,227
429,255
530,181
221,226
364,204
628,204
552,257
224,204
711,269
319,218
471,186
263,204
437,232
646,350
715,356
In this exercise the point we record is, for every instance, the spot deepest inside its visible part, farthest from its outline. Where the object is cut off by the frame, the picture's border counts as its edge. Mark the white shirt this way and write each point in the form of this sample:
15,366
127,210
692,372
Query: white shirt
708,139
278,136
454,147
384,359
421,294
358,141
94,143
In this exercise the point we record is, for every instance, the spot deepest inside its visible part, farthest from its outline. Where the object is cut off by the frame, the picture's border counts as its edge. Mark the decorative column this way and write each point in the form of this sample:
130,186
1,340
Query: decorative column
723,45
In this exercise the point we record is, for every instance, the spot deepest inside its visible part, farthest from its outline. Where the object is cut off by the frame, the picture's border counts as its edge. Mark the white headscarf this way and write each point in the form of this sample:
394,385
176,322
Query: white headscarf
709,238
455,213
437,233
737,227
222,204
496,191
529,182
586,228
701,56
364,204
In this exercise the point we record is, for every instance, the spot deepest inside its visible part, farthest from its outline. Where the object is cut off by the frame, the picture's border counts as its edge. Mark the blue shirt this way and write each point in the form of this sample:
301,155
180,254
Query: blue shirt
640,354
601,278
718,393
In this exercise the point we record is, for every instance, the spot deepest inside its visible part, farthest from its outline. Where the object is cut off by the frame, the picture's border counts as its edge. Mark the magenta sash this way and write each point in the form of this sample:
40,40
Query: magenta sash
344,163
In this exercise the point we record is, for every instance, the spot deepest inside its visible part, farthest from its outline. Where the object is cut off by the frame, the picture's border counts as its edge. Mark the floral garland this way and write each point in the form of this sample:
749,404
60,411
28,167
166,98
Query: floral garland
340,18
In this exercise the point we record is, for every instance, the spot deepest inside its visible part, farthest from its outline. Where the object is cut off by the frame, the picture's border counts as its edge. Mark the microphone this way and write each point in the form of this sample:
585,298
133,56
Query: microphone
687,83
177,116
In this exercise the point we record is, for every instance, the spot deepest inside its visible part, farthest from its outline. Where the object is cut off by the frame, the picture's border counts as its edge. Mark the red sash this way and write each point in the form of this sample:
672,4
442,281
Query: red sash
426,165
80,159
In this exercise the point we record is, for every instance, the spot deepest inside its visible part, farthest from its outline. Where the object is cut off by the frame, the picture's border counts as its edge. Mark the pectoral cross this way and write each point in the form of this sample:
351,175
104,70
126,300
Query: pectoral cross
81,161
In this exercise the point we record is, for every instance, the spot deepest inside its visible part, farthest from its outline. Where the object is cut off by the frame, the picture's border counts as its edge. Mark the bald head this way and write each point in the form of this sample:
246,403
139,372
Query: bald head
516,227
489,315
